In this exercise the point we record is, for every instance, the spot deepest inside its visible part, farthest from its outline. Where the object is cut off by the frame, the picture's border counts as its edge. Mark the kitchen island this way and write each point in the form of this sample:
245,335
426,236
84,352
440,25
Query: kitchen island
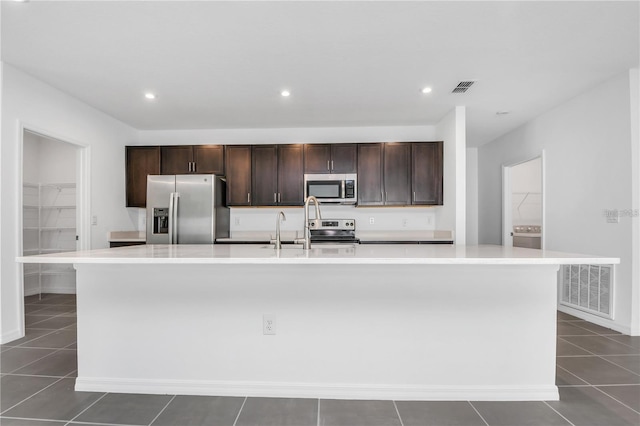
402,322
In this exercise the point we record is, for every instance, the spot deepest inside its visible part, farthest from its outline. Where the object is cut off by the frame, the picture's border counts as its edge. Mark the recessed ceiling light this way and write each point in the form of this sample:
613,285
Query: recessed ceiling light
149,95
426,90
285,93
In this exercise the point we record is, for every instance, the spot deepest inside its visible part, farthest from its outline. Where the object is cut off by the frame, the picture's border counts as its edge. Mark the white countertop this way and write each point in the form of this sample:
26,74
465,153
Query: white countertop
320,254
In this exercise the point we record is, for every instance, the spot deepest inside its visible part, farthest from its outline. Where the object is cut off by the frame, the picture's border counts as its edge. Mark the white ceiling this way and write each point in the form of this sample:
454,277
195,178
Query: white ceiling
223,64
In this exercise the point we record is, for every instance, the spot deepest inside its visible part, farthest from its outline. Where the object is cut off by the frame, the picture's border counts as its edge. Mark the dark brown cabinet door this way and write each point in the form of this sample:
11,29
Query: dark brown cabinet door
208,159
238,166
290,175
317,158
176,160
426,172
140,162
370,174
397,174
344,158
264,185
330,158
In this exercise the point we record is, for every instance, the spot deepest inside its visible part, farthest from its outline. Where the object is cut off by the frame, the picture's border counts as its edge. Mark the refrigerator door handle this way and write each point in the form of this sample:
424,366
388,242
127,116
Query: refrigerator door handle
176,201
171,218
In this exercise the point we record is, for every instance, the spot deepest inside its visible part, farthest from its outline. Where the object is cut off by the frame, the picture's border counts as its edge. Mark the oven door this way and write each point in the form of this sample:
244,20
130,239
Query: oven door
325,190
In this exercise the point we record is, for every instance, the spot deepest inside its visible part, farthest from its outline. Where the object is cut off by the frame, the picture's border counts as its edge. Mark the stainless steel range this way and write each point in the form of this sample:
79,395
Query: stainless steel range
333,231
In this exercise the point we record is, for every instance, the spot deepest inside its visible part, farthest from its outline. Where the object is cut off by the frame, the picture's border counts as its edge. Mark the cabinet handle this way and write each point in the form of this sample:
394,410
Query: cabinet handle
328,165
279,197
275,199
331,165
414,196
189,166
248,197
193,167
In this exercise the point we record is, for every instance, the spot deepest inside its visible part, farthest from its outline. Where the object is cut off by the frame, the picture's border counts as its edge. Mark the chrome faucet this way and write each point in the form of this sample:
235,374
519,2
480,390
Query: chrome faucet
280,216
307,232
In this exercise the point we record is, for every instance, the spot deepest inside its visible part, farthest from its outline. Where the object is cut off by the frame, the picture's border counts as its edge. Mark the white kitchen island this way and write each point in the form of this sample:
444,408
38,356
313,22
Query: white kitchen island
402,322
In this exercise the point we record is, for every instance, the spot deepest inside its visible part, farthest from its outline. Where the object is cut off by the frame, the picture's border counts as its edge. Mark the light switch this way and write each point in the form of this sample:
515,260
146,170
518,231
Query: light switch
94,220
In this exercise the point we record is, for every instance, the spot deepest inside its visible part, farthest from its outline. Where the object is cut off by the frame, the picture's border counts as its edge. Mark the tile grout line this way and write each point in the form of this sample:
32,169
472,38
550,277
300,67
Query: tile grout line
31,396
163,408
626,369
31,340
598,356
478,413
98,424
615,399
607,336
39,359
90,405
240,411
558,413
398,412
574,375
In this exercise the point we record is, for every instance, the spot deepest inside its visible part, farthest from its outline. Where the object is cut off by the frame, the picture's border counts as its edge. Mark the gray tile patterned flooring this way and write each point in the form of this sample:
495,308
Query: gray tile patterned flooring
598,373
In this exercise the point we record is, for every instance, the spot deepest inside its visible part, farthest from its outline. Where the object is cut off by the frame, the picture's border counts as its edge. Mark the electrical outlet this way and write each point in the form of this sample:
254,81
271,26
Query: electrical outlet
237,221
371,221
268,324
404,222
94,220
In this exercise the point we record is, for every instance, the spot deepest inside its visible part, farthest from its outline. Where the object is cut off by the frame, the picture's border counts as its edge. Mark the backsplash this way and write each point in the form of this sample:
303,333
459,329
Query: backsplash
384,218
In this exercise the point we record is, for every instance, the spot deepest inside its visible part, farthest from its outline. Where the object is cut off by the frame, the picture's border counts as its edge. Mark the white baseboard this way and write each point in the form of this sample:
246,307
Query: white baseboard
11,336
319,390
56,289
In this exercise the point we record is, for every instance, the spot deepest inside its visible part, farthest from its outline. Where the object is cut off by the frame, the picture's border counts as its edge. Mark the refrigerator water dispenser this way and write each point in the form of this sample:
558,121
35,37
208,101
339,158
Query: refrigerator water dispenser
161,220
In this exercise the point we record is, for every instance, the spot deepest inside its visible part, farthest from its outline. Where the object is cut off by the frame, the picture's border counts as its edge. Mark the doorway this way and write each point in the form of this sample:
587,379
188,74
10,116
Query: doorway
51,197
523,203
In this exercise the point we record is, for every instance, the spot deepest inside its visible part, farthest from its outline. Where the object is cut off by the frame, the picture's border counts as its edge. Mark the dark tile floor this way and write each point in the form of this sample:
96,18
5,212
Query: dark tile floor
598,372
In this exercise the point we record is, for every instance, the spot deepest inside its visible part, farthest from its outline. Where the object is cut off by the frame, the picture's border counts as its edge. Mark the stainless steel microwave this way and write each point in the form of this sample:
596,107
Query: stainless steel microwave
332,188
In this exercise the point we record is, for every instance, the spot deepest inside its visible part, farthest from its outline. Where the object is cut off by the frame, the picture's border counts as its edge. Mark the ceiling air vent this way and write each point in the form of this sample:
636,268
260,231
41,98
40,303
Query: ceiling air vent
463,86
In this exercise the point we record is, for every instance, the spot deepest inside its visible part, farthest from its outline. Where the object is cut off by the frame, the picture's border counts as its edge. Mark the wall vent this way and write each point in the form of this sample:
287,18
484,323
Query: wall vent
463,86
588,288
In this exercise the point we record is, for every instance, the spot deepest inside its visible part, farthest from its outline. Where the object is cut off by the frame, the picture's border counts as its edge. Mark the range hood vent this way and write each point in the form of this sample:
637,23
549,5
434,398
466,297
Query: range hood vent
463,86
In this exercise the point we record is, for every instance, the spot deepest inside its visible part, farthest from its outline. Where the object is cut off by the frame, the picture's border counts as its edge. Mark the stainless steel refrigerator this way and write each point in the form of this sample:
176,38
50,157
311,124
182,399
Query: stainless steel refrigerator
186,209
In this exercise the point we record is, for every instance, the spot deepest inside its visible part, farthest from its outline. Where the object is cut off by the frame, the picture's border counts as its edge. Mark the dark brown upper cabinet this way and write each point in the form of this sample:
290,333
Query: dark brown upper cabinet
384,174
370,174
330,158
397,174
264,175
238,166
140,162
290,175
185,159
277,175
426,173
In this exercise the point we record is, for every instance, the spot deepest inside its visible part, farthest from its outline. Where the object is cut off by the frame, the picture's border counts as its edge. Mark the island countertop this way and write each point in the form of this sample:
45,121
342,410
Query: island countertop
320,254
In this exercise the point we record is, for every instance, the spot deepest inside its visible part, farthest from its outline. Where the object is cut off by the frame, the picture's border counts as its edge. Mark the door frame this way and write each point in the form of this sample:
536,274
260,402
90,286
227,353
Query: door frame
83,195
507,219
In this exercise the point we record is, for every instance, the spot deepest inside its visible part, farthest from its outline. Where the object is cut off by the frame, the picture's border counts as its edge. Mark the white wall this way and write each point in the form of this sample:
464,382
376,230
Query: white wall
452,215
48,160
472,196
588,170
30,103
634,106
287,135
